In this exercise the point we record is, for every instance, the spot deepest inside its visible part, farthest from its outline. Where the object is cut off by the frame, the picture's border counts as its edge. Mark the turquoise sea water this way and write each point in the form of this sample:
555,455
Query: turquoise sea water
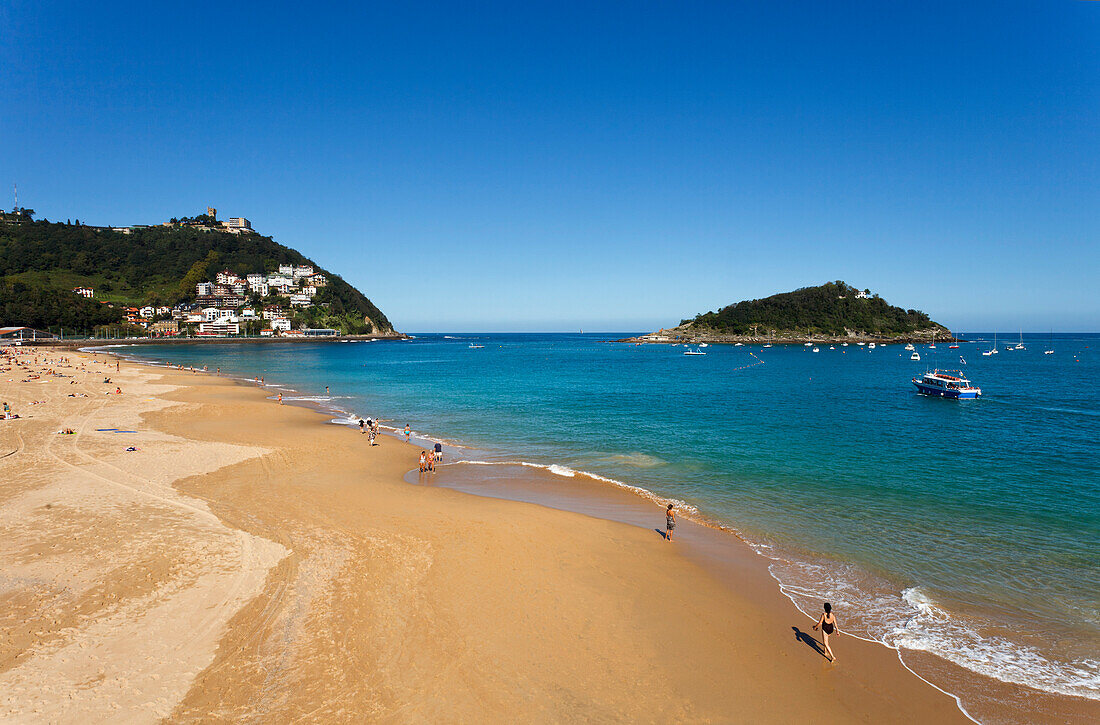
968,529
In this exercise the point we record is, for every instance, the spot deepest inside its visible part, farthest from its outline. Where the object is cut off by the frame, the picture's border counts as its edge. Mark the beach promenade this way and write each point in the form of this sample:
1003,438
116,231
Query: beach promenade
248,562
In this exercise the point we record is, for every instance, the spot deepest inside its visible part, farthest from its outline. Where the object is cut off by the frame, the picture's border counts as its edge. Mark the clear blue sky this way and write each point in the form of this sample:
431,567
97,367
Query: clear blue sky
611,166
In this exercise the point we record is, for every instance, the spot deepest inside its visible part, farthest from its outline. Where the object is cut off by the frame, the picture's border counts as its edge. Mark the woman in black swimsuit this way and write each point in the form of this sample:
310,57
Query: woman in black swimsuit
670,522
827,624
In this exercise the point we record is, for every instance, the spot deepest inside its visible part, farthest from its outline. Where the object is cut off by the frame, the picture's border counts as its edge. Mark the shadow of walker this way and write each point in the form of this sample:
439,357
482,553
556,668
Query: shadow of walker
810,641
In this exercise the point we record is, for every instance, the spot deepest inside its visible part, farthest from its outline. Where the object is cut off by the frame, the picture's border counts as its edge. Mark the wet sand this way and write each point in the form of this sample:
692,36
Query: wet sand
249,562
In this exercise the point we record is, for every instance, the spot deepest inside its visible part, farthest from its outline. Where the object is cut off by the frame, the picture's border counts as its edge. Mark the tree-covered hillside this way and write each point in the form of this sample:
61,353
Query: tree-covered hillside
159,266
52,309
830,309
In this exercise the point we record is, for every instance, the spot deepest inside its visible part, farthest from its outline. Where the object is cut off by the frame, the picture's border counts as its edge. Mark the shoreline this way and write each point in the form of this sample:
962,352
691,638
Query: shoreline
313,407
938,672
764,587
952,679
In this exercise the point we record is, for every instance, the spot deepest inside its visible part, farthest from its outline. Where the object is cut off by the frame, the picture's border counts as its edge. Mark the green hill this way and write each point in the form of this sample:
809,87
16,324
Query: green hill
153,265
834,308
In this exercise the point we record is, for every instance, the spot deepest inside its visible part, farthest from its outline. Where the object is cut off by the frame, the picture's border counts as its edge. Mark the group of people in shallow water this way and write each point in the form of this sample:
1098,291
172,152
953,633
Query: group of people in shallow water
369,428
826,622
428,459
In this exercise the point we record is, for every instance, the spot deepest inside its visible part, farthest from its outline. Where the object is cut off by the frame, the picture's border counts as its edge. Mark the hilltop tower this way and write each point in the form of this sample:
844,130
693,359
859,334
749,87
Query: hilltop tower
212,213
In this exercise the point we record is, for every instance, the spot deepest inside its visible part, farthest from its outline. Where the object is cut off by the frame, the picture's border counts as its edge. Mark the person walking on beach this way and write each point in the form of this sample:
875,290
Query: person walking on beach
280,398
408,432
827,624
362,426
439,452
370,438
670,522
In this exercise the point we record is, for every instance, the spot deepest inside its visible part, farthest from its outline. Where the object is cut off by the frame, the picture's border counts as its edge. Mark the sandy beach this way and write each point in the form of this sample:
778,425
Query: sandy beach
248,562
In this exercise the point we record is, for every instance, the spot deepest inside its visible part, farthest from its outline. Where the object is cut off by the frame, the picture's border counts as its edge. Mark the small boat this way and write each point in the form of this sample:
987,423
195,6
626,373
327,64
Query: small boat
740,344
808,344
768,345
933,345
703,344
945,384
844,344
1050,345
694,352
474,346
1020,344
993,350
1048,352
816,350
831,347
870,346
910,347
954,343
861,344
915,356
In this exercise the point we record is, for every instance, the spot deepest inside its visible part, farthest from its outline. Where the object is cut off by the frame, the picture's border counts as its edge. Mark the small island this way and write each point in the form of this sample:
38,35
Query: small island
832,312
